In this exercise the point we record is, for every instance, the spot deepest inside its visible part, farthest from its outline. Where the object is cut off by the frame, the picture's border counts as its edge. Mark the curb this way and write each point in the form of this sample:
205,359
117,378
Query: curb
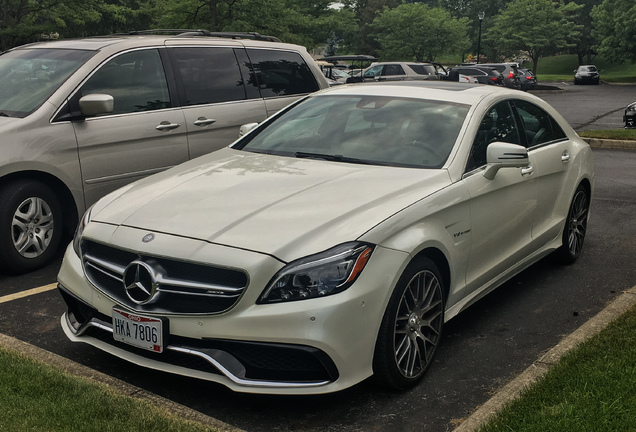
543,364
73,368
610,143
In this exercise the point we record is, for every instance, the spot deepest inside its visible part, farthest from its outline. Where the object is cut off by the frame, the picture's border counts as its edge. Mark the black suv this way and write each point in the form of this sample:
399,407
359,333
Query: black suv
482,74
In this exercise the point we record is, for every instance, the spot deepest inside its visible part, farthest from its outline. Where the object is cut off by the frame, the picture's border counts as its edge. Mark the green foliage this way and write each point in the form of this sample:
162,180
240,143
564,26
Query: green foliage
416,31
536,27
615,28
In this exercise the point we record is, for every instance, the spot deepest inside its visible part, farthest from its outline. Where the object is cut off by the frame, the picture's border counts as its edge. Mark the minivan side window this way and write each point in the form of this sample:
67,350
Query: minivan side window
207,74
136,81
281,73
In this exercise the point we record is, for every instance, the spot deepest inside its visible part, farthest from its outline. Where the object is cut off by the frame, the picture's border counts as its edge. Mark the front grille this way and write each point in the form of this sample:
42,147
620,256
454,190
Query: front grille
181,287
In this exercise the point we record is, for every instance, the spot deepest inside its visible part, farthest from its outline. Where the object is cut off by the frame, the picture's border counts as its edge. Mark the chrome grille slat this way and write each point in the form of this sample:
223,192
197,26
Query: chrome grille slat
183,287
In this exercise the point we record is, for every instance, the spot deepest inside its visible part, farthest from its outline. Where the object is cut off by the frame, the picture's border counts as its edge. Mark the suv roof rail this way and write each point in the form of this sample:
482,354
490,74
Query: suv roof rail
201,32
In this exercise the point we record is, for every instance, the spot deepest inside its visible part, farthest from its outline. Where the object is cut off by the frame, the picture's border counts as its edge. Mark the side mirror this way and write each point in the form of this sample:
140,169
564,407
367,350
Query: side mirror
96,104
504,155
247,128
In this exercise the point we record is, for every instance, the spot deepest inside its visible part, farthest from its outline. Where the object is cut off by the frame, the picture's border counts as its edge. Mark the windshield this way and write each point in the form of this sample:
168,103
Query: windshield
29,76
378,130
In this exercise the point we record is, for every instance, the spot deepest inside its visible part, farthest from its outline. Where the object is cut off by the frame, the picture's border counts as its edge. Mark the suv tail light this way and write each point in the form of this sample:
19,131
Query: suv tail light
511,75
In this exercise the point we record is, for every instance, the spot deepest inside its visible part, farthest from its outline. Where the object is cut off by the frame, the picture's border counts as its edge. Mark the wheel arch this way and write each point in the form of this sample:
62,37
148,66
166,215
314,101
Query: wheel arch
440,260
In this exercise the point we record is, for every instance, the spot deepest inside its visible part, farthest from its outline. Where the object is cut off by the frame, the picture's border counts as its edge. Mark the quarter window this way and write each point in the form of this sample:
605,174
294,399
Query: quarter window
136,81
281,73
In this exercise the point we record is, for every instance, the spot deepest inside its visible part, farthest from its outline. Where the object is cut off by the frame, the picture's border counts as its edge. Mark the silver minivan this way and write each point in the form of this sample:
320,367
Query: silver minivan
81,118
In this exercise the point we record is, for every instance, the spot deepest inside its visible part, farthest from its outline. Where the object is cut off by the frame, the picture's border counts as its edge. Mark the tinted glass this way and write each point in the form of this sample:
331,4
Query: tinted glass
497,125
136,81
208,75
377,130
393,69
423,69
281,73
28,77
539,127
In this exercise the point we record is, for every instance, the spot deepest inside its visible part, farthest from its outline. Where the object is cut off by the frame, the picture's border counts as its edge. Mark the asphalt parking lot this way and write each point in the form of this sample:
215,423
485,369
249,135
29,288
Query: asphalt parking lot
482,349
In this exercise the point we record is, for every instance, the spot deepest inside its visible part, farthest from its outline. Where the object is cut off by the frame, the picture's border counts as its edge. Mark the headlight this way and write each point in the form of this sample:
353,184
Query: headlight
80,230
320,275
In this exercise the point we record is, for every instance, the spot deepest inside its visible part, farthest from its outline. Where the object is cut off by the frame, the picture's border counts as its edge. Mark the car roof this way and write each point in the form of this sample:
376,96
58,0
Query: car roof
444,91
157,38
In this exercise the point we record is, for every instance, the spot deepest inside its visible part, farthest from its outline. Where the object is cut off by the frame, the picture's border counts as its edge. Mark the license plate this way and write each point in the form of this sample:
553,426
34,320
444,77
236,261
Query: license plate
138,330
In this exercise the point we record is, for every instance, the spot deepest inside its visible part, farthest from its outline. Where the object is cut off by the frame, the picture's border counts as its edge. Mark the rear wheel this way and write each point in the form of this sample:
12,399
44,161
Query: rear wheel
30,226
575,227
411,328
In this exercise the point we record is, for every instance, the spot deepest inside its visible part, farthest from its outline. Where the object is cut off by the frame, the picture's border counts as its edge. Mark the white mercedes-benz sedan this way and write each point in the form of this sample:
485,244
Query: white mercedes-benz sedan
331,242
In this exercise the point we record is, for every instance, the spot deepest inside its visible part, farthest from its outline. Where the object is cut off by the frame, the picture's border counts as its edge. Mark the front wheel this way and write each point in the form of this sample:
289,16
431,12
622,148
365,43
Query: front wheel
575,227
30,226
411,328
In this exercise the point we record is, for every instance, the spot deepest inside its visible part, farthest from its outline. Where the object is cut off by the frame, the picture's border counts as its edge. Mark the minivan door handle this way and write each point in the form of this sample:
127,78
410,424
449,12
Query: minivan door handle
202,121
166,125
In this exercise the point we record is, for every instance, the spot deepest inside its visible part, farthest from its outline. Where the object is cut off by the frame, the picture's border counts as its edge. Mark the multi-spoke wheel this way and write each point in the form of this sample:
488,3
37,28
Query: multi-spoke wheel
30,226
412,326
575,227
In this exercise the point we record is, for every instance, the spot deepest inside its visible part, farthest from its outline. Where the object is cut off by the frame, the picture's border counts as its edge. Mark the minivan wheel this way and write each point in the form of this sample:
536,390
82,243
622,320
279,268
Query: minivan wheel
575,227
30,226
411,328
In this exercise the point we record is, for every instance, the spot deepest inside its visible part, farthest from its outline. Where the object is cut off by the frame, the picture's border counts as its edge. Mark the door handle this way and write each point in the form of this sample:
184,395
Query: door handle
527,170
565,157
166,125
202,121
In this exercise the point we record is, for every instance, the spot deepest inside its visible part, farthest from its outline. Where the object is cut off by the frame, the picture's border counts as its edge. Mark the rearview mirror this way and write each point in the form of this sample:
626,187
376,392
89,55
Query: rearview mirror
504,155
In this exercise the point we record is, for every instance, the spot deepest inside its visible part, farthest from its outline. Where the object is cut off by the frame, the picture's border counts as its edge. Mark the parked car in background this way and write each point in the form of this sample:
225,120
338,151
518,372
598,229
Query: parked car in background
241,267
630,115
509,72
528,79
399,71
587,74
81,118
483,74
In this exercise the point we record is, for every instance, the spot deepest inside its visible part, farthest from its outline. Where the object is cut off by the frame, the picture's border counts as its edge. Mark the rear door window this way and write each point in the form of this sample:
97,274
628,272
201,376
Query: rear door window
538,126
281,73
207,75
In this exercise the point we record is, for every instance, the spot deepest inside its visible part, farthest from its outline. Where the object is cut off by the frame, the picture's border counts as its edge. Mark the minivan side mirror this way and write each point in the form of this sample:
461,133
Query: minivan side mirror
504,155
96,104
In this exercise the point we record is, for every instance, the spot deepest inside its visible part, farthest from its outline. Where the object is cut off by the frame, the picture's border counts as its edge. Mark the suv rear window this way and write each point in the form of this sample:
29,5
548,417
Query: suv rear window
281,73
423,69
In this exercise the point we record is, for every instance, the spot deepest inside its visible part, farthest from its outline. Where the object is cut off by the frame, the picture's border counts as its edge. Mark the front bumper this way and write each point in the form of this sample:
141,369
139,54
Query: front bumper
304,347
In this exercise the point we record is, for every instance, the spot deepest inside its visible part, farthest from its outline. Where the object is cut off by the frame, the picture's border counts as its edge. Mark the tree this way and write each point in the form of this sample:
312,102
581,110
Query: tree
615,29
416,31
536,27
584,45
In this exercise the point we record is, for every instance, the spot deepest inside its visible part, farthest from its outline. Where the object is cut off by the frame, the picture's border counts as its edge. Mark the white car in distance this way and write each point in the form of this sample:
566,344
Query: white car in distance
333,241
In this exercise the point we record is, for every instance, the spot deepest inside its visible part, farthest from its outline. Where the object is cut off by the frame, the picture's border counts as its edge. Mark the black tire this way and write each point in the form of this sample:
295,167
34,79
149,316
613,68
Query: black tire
411,328
575,227
30,226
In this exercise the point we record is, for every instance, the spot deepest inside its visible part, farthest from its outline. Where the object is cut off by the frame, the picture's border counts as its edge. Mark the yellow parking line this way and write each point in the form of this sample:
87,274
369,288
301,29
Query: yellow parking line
27,293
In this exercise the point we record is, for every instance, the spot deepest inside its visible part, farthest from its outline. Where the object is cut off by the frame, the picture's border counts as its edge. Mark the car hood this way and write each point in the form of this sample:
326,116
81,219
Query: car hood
281,206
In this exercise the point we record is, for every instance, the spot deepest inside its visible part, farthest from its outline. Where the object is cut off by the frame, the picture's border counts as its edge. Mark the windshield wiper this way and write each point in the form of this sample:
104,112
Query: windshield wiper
336,158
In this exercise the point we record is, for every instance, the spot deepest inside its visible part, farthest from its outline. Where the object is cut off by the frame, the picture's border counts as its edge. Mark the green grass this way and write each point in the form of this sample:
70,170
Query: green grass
617,134
592,388
38,397
561,68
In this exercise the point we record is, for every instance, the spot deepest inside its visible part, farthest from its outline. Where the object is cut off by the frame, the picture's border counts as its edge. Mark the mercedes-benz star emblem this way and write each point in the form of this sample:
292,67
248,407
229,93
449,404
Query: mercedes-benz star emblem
140,282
